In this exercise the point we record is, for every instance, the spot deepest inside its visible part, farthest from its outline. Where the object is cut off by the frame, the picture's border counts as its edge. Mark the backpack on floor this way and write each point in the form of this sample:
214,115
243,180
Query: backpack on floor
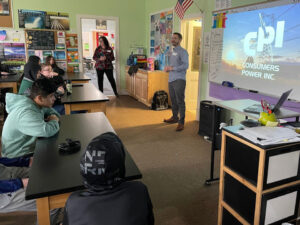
160,100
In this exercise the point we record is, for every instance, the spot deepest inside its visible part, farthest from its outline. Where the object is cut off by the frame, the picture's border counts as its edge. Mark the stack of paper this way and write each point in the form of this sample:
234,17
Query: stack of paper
270,135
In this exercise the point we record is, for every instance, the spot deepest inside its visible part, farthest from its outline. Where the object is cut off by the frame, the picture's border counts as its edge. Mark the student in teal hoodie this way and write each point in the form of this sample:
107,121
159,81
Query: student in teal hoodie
29,118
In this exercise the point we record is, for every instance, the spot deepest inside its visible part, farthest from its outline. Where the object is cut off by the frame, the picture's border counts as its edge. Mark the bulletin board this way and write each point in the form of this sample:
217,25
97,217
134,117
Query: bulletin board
161,29
6,15
43,43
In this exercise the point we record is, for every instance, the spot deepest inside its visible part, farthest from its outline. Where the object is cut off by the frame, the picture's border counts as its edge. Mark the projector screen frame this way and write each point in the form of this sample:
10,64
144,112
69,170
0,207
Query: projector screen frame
258,85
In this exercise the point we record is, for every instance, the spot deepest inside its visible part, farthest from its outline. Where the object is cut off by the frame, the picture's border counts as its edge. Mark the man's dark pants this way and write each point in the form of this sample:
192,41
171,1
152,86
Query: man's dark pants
176,92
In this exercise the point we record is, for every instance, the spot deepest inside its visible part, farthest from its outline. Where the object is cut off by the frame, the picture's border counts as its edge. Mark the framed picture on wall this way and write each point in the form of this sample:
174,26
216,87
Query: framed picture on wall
4,7
59,55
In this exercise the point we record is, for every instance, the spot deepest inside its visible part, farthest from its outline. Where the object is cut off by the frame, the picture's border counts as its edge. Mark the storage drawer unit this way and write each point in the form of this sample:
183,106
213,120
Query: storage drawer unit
258,185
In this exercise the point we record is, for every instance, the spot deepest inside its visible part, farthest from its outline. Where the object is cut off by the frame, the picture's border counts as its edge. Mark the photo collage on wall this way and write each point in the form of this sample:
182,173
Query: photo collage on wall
160,36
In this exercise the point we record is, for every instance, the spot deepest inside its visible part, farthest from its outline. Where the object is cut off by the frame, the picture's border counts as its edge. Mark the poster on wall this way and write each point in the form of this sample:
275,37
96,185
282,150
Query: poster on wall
4,7
71,40
59,55
59,21
11,35
161,29
14,51
101,24
33,19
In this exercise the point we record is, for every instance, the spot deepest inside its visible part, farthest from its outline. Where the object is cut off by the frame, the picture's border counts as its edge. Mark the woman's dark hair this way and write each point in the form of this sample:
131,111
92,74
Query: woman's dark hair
48,58
43,87
32,67
105,41
34,59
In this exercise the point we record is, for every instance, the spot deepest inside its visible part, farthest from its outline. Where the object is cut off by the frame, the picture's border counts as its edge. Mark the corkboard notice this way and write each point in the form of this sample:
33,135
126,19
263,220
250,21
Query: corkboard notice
5,19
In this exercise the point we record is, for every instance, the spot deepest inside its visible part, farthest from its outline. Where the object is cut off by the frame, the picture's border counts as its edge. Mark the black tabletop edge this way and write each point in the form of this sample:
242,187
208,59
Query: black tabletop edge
10,78
67,190
81,79
74,102
48,194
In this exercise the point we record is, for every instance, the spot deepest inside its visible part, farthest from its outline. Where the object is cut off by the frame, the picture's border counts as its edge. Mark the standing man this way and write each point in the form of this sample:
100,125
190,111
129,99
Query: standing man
178,64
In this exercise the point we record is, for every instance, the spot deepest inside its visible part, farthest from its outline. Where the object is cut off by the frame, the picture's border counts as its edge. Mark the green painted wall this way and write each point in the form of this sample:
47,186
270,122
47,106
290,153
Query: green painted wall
130,13
134,17
207,6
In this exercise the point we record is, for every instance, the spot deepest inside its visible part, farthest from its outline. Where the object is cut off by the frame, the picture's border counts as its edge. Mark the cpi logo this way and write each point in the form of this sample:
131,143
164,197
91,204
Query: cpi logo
264,36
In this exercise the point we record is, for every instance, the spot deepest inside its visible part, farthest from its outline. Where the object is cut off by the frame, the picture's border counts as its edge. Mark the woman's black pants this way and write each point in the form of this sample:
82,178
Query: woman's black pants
110,76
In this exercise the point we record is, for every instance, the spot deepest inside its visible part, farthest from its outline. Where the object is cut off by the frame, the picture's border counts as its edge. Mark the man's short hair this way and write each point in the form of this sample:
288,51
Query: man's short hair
43,87
178,34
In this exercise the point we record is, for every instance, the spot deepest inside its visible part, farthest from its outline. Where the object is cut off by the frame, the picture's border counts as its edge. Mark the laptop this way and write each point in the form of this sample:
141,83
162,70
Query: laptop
257,108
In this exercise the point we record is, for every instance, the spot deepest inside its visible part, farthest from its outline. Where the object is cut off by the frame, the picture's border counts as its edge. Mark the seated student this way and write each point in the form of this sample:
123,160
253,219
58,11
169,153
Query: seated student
47,72
14,175
51,61
109,199
60,91
31,71
29,118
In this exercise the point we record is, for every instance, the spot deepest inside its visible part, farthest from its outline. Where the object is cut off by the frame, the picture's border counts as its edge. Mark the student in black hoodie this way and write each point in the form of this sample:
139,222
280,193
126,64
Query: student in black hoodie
109,199
51,61
31,72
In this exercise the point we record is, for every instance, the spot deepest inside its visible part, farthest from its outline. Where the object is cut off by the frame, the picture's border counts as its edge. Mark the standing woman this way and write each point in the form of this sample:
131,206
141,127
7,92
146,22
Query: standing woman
51,61
32,70
104,56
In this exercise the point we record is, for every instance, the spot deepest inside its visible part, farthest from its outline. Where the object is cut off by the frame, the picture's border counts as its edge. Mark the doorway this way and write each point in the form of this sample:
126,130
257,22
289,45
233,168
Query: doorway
191,30
91,28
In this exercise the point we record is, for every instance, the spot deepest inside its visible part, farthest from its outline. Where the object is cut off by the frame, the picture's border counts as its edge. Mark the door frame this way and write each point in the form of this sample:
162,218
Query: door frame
190,17
117,41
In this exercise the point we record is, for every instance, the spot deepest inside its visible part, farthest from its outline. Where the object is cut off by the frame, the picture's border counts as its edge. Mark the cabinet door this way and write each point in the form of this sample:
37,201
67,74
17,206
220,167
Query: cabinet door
144,94
141,87
130,84
138,86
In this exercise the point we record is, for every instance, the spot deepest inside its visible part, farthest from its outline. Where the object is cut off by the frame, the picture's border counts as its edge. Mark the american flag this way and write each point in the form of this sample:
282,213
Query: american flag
182,6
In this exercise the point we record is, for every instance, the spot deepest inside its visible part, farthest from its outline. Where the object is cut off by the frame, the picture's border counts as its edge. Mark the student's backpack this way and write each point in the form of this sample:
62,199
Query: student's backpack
160,100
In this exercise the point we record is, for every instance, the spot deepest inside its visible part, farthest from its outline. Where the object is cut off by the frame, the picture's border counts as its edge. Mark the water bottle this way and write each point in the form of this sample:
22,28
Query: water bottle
69,87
